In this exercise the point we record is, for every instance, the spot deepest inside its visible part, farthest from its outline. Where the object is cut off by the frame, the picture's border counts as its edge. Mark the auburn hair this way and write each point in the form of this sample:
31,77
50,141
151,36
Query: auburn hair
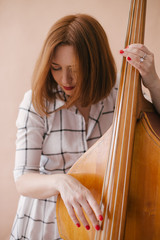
96,65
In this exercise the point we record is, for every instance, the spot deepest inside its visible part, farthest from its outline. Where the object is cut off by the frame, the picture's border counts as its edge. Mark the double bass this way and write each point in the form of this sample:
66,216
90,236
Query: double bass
122,169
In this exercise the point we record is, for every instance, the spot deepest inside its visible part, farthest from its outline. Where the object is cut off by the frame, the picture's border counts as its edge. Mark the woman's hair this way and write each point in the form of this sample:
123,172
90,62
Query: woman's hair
96,66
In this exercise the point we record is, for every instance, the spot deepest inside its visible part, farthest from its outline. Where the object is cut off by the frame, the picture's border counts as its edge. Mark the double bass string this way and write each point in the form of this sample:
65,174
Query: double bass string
138,13
138,29
109,169
125,121
116,126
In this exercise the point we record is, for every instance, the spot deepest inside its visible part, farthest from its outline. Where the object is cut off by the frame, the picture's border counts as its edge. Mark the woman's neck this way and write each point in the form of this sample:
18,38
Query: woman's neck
84,111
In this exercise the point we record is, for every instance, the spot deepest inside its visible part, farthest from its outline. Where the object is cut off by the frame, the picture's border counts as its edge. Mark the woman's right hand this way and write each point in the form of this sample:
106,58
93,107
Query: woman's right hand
75,197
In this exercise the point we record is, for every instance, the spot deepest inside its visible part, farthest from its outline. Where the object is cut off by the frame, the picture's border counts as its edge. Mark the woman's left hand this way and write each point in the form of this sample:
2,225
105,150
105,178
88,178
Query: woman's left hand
142,59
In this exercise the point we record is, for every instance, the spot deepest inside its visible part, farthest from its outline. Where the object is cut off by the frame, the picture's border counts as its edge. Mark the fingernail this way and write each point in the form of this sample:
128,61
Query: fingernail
97,227
128,58
100,217
87,227
121,51
78,225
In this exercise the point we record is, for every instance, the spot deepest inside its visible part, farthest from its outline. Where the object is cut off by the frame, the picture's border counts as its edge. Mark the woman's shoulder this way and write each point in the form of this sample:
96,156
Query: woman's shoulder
113,93
110,101
27,99
28,104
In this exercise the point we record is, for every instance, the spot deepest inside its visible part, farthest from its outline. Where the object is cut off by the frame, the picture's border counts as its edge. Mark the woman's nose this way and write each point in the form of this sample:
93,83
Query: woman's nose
66,77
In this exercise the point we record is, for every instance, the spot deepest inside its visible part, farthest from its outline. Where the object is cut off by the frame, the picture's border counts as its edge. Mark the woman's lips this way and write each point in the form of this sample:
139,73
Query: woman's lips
68,88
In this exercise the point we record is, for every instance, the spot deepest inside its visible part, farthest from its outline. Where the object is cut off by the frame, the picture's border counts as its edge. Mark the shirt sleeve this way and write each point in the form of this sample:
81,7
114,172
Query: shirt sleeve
29,139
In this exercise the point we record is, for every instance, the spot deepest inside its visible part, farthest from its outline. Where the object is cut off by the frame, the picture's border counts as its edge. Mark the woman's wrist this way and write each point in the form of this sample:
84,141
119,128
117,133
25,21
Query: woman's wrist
155,94
39,186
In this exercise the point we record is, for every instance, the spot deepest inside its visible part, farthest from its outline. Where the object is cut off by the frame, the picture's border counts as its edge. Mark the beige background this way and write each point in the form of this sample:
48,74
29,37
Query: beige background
23,27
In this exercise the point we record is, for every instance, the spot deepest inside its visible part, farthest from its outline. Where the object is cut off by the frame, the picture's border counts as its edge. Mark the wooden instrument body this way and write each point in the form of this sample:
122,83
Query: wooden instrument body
122,168
143,207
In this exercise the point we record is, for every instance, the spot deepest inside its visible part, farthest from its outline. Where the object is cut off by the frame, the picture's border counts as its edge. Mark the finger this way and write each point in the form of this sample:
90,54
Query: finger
95,206
93,210
80,214
138,46
134,53
90,213
79,211
138,50
135,60
72,214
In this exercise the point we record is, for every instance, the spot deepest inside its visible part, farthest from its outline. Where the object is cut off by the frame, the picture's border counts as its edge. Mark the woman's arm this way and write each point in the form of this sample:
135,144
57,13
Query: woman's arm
146,68
35,185
155,94
75,196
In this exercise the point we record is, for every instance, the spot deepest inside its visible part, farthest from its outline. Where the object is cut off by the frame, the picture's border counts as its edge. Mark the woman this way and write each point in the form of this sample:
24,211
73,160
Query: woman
70,106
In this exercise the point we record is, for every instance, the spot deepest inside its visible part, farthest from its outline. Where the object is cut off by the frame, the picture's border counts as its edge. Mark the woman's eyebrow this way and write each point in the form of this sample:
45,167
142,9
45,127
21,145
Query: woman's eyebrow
70,66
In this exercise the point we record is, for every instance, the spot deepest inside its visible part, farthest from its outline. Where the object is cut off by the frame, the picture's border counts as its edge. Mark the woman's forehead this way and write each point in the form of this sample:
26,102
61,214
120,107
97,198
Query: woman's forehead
64,55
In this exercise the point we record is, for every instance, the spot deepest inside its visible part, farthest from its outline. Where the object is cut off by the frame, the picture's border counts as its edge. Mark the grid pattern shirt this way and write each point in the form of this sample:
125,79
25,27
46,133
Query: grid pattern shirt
51,145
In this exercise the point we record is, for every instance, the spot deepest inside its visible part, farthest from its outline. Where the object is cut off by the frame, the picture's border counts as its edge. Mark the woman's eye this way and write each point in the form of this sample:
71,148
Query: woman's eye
56,68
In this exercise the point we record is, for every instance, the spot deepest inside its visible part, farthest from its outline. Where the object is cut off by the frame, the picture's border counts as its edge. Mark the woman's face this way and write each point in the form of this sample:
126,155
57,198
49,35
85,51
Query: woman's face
63,68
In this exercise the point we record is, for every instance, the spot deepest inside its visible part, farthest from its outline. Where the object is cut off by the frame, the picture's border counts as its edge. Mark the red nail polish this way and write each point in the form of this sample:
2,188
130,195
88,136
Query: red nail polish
78,225
97,227
128,58
87,227
100,217
121,51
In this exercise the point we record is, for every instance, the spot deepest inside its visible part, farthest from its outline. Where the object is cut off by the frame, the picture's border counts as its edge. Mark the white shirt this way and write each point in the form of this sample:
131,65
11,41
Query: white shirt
51,145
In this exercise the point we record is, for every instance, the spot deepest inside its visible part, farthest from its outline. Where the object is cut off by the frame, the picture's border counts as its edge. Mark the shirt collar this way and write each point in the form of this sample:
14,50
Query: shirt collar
95,110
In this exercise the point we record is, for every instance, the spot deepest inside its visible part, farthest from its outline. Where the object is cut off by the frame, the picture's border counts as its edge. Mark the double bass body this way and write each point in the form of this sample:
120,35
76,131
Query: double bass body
143,208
